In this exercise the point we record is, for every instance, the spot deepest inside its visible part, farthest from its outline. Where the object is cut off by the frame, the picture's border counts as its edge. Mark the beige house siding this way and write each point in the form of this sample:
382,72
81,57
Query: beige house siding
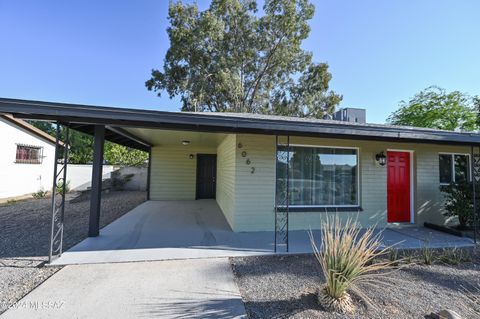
255,194
246,192
173,173
226,166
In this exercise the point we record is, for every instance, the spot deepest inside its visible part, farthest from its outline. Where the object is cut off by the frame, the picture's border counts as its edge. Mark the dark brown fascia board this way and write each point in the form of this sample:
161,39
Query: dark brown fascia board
112,136
269,129
210,123
30,128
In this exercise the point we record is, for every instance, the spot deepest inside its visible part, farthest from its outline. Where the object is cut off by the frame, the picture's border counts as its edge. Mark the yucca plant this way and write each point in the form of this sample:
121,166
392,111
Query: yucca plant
349,256
471,300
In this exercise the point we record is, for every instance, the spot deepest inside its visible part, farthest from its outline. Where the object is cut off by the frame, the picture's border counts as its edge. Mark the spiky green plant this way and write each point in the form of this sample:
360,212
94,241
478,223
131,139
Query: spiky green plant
348,256
427,254
408,256
393,256
455,256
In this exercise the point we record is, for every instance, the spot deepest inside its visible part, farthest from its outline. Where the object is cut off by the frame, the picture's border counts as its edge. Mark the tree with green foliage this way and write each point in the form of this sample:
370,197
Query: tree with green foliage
124,156
231,58
476,104
81,148
436,108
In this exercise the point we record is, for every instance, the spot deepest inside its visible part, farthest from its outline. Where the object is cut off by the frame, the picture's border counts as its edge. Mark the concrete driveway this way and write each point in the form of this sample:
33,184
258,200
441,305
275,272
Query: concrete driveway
200,288
166,230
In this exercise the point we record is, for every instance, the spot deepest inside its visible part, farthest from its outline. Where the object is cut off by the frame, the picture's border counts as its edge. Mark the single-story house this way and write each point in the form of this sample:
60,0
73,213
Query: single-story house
259,168
26,161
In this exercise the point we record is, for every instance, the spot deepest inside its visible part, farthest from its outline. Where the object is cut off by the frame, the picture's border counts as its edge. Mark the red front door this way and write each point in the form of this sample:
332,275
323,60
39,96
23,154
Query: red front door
398,187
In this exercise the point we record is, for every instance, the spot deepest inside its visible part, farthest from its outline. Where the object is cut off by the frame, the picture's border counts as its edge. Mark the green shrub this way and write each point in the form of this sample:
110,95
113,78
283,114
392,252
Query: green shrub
348,256
119,181
39,194
459,202
60,186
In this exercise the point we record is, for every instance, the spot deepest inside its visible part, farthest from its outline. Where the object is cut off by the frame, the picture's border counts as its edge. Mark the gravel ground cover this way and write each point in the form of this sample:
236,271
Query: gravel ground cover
284,287
25,234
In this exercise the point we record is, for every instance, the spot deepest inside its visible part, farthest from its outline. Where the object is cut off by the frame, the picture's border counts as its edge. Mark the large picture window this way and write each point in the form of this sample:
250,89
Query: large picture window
453,168
318,176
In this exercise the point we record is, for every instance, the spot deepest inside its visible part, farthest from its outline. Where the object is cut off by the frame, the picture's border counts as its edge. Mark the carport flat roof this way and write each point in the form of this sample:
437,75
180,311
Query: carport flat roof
82,117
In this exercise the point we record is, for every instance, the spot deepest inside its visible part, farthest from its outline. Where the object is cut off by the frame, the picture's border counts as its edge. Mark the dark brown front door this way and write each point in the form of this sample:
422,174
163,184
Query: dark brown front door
206,175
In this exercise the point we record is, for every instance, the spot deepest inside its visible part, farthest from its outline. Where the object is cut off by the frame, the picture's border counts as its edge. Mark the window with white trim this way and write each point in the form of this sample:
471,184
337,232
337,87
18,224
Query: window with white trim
320,176
29,154
454,168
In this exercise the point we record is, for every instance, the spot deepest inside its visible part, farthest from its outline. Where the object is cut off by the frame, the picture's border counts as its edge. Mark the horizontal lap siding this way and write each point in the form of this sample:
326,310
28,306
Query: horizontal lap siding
173,173
429,206
226,177
255,193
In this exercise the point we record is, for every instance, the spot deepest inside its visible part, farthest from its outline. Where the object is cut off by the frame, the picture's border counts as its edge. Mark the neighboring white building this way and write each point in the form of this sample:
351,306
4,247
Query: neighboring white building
26,158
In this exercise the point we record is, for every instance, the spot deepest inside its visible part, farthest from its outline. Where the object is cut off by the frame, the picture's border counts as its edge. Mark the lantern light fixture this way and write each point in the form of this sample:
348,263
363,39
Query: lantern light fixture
381,158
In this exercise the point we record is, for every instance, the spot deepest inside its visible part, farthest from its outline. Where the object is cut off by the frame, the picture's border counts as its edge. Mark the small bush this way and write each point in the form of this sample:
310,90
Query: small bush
40,194
11,201
348,256
119,181
459,202
60,186
455,256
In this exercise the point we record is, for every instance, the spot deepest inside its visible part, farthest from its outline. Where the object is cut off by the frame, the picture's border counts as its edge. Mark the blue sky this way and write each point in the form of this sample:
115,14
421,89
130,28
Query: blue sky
101,52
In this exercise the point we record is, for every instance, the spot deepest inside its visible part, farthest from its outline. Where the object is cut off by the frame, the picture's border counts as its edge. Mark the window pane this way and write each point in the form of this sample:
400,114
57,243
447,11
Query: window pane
318,176
301,176
282,168
445,166
346,178
461,168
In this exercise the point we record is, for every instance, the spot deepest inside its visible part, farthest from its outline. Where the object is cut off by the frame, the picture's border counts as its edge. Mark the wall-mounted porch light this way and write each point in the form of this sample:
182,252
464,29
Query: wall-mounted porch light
381,158
185,142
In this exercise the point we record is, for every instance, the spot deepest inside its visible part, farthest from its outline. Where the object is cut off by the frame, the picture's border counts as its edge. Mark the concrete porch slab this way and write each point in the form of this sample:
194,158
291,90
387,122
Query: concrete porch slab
166,230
